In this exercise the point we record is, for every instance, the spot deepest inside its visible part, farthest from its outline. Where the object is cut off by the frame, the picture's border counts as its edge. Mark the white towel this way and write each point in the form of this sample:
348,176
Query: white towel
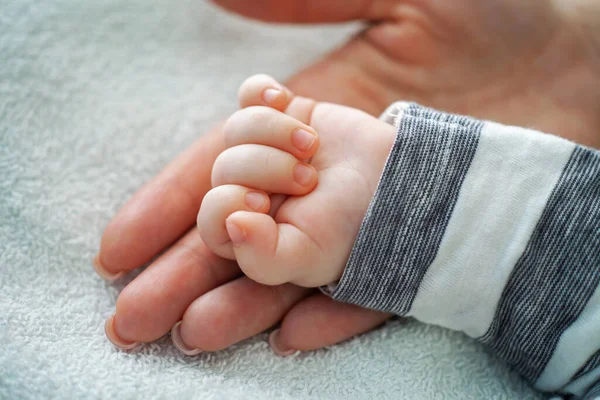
95,98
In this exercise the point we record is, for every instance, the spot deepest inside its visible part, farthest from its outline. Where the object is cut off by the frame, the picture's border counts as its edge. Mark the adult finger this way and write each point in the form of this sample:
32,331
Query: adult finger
160,212
149,306
319,321
309,11
233,312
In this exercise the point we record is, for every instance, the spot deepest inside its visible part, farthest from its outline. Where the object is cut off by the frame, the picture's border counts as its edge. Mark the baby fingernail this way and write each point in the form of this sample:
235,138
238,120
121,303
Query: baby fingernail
235,233
103,272
270,95
111,334
304,174
277,347
255,200
303,140
178,342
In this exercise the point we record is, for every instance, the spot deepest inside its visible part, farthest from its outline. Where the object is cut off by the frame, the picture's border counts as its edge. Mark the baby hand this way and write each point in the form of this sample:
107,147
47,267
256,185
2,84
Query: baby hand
305,238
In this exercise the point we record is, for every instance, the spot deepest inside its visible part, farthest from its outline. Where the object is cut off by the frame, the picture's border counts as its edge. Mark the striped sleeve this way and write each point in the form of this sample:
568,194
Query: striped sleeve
491,230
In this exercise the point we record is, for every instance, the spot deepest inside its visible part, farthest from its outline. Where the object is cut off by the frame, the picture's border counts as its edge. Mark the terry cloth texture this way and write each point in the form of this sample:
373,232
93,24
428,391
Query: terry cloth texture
491,230
96,97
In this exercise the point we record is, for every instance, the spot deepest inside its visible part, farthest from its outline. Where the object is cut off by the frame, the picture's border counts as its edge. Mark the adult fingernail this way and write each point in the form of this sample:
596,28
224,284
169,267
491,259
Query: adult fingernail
270,95
235,233
111,334
303,140
178,342
103,272
278,347
255,200
304,174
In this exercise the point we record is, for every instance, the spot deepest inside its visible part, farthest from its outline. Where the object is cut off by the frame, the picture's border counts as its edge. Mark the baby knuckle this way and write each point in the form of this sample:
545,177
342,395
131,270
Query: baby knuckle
259,115
231,127
219,170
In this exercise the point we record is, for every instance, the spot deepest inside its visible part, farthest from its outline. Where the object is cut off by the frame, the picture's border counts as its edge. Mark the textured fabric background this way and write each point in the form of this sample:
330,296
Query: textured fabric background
95,98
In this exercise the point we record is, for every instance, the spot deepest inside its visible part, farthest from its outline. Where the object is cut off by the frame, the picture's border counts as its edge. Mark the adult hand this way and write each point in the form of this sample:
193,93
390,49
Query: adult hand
532,63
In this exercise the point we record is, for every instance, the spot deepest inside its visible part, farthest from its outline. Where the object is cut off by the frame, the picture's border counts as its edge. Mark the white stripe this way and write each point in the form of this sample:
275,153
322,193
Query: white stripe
502,198
393,114
577,344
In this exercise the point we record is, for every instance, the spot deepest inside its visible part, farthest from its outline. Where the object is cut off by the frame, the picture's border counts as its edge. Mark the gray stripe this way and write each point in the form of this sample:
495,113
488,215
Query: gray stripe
557,273
404,225
591,364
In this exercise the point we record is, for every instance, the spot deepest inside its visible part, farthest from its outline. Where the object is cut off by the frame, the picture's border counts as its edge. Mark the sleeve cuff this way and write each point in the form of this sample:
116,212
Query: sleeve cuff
429,159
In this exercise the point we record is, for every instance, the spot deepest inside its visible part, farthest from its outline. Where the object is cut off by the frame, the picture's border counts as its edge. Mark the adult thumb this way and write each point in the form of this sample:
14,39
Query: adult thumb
308,11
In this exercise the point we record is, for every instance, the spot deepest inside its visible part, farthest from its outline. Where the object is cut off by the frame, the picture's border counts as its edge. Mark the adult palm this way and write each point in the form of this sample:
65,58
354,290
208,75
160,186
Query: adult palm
530,63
